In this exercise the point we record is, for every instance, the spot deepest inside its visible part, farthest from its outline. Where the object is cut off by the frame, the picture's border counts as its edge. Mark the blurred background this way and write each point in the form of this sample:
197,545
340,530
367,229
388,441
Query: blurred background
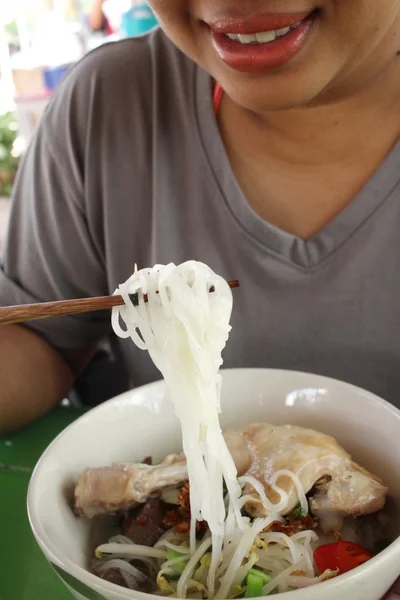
40,40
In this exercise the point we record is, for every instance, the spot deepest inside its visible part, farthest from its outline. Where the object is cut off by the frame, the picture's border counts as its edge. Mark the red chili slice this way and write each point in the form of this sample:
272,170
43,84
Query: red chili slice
351,556
343,556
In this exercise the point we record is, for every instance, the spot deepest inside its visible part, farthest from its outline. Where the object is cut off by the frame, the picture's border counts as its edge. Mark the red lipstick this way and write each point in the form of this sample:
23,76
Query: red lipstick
259,23
257,57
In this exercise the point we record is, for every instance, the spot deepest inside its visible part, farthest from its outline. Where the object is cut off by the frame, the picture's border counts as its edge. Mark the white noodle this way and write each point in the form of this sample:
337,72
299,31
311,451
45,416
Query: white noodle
131,550
309,534
172,537
131,575
120,539
184,327
307,537
282,538
258,486
297,484
178,548
216,559
279,580
300,582
242,551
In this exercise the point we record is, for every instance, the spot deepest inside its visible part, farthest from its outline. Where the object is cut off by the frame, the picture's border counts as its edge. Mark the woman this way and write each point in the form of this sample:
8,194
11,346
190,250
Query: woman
260,137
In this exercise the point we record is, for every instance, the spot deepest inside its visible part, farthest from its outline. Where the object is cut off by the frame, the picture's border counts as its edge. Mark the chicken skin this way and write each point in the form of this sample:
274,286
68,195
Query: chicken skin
260,450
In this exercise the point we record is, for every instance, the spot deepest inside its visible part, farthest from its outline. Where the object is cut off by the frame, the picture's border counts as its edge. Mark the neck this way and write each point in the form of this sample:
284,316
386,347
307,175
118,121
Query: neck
337,131
317,157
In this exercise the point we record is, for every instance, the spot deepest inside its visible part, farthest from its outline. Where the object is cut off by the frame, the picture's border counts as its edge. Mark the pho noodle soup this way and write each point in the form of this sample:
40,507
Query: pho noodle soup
255,511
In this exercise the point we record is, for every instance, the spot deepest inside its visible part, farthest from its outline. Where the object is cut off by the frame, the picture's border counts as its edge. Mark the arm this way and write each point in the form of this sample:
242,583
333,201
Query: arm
52,251
34,377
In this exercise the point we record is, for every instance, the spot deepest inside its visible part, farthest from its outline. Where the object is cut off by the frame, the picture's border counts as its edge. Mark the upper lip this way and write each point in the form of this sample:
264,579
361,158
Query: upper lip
265,22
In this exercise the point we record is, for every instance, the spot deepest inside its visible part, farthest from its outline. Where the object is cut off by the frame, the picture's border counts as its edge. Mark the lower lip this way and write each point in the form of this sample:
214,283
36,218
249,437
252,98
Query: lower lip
260,58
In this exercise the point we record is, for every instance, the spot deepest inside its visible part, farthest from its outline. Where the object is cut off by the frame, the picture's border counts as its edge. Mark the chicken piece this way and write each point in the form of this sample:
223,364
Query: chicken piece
121,486
312,456
259,450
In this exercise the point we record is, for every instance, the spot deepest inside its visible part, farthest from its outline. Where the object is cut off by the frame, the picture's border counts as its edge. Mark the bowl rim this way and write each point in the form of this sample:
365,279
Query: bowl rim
91,580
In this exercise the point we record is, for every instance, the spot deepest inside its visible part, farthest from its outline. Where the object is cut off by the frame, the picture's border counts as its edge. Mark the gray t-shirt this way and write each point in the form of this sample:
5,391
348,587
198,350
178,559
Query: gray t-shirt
128,166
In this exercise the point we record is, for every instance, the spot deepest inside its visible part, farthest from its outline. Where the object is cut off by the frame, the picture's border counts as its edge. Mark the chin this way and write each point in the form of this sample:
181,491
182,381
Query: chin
273,95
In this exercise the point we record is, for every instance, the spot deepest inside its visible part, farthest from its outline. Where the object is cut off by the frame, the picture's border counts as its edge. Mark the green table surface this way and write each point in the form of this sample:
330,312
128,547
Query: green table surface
24,572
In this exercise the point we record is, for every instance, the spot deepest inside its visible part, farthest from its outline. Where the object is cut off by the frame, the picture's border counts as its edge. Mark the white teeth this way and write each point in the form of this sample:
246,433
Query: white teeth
264,37
282,32
247,39
296,25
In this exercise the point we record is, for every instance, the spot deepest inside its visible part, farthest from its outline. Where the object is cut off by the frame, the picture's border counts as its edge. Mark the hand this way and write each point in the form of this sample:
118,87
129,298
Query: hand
394,593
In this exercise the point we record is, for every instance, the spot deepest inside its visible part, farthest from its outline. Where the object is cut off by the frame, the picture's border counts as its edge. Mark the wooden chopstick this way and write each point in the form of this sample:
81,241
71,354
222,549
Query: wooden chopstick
43,310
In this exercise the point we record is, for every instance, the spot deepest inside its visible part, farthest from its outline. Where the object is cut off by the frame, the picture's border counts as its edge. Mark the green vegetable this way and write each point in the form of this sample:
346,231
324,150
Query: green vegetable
9,153
263,576
255,582
179,566
134,298
298,513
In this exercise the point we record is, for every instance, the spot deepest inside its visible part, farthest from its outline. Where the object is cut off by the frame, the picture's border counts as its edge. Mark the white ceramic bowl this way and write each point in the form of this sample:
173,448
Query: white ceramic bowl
141,423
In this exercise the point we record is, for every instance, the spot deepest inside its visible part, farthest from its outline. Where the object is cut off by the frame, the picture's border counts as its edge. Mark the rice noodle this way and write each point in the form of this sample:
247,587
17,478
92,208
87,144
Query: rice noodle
242,550
280,579
259,488
285,540
173,537
120,539
130,550
297,483
178,548
131,575
184,328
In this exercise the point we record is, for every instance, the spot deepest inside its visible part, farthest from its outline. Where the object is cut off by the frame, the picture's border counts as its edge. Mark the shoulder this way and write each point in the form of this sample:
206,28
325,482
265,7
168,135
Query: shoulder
131,60
121,77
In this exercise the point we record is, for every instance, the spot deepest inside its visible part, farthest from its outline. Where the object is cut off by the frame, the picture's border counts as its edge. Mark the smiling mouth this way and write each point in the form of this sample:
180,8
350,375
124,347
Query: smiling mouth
262,37
262,43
